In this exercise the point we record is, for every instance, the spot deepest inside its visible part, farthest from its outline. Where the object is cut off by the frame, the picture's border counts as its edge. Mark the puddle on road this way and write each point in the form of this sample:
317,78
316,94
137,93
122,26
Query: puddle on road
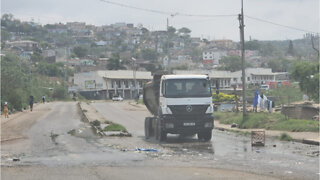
85,131
230,144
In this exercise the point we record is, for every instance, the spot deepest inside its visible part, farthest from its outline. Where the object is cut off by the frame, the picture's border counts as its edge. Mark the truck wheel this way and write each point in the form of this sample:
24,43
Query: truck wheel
160,134
205,135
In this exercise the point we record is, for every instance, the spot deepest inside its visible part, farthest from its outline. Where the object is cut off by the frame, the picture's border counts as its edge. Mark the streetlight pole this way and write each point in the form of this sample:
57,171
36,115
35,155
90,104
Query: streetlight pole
241,23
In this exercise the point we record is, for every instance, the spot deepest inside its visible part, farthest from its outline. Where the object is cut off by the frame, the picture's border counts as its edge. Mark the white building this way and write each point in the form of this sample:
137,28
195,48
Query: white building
228,79
105,84
213,56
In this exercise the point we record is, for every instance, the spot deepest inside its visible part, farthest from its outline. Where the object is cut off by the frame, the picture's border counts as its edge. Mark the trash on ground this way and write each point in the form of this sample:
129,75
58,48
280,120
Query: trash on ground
117,133
72,132
149,150
15,159
233,125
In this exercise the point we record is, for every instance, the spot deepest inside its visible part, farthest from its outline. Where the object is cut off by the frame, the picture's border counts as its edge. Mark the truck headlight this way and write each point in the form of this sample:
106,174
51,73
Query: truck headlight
209,109
166,110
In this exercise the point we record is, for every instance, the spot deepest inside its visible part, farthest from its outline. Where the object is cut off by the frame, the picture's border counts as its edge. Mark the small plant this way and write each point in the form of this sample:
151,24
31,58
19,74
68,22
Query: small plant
115,127
72,132
285,137
95,123
84,110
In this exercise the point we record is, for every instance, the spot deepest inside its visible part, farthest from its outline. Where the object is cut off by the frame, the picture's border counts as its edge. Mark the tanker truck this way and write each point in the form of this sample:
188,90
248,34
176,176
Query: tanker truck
180,104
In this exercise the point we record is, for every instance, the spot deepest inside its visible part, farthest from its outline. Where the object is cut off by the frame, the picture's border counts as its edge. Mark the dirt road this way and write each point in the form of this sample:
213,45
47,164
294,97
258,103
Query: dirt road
53,143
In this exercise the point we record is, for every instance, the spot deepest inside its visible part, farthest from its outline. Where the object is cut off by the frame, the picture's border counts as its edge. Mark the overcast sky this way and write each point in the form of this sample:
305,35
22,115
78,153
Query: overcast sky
301,14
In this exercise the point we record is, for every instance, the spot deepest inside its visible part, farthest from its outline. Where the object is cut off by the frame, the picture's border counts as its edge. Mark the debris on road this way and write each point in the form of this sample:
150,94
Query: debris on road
258,138
117,133
53,137
15,159
233,125
149,150
72,132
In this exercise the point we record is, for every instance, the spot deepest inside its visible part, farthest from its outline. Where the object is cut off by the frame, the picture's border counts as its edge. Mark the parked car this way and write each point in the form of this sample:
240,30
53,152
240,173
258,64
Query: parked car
265,87
117,98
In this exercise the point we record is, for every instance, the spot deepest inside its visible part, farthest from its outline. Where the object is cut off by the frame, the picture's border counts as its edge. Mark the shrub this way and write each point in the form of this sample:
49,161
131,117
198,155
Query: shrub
285,137
59,93
222,97
115,127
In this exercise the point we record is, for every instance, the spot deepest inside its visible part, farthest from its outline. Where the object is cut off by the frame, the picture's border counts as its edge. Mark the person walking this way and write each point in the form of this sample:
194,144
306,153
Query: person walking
31,102
6,110
43,99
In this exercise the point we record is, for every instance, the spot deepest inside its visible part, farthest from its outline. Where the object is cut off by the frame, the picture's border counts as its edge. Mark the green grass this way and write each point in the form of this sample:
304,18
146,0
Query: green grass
285,137
140,101
274,121
115,127
244,133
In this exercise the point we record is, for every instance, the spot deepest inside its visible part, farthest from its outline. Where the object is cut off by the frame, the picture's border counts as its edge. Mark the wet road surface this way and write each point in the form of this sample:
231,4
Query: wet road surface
58,145
226,150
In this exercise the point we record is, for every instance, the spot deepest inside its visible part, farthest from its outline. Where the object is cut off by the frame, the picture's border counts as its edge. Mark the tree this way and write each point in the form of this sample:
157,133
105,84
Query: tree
115,63
252,45
150,67
184,31
196,54
231,63
171,30
5,36
149,54
290,49
307,74
144,30
80,51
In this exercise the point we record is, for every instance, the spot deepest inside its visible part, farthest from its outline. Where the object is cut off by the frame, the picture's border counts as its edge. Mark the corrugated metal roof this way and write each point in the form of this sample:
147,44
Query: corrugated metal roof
185,76
124,74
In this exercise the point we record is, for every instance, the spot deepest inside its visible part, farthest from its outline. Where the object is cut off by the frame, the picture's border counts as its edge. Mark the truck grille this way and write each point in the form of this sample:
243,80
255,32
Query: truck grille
186,110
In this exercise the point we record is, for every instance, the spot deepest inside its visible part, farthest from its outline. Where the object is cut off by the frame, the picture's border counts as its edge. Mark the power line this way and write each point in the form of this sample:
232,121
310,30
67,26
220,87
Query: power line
201,15
277,24
166,12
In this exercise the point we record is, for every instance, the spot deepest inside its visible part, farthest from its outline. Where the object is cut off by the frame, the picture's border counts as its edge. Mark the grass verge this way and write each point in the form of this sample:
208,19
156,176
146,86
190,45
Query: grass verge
274,121
115,127
285,137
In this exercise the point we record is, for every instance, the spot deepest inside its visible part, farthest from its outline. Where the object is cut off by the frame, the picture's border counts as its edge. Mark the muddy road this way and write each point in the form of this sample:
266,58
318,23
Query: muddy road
53,142
226,149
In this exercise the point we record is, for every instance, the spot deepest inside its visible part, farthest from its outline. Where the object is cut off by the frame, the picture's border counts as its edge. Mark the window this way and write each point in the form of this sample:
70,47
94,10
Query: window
248,78
112,84
187,88
126,84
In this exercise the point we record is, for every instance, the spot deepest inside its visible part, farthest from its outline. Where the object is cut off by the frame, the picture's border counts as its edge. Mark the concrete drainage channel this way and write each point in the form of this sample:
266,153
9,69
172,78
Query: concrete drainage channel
98,126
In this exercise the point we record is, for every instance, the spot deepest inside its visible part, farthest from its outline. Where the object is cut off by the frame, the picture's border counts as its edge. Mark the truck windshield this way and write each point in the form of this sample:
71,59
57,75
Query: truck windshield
187,88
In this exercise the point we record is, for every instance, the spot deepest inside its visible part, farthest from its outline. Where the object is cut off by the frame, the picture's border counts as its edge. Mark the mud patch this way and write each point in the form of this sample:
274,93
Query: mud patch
53,137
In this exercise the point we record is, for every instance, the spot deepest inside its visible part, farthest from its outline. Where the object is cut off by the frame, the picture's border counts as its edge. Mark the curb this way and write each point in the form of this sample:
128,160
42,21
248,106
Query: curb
85,118
304,141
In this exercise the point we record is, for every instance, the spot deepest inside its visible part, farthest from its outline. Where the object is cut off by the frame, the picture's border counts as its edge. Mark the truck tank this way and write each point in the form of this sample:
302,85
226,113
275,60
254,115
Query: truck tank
151,92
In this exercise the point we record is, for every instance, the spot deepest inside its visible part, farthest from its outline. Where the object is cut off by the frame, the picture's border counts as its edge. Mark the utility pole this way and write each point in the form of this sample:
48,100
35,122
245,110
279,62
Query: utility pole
168,49
241,23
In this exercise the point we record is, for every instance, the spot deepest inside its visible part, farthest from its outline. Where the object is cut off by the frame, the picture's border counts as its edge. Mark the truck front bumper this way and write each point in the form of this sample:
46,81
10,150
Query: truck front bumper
186,124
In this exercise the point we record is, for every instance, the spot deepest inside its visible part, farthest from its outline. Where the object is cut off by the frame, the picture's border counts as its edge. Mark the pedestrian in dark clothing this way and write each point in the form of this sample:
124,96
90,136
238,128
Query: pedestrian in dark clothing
31,102
43,99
